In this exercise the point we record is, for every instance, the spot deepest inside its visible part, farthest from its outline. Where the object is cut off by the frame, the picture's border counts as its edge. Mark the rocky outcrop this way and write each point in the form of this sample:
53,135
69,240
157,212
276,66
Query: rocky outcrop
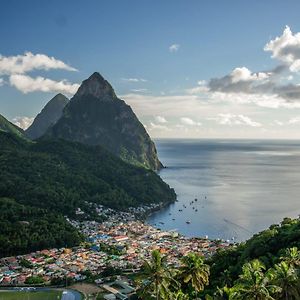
47,117
96,116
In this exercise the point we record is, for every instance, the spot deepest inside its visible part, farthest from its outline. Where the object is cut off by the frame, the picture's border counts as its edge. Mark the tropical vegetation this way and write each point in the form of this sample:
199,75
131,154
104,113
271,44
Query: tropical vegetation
190,279
43,182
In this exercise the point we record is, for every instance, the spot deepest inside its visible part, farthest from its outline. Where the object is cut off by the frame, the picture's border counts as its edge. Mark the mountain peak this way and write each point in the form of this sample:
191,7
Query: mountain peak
96,76
49,115
96,116
97,87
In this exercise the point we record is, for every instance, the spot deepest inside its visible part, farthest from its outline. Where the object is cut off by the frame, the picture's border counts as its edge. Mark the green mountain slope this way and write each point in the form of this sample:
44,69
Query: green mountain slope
96,116
7,126
47,117
58,176
267,246
24,228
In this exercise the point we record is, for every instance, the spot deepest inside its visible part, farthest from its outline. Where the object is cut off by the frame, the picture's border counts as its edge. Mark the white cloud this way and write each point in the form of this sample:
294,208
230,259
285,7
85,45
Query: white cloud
160,119
134,79
244,74
274,88
201,88
21,64
28,84
279,123
189,121
154,126
22,122
232,119
286,48
293,121
174,48
139,90
17,67
154,105
259,99
242,80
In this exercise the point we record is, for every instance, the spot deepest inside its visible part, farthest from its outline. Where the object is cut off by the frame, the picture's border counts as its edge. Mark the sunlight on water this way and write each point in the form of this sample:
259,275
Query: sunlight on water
241,187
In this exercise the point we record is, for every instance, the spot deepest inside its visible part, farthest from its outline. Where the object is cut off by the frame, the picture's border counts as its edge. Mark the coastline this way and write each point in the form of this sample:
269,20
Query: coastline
123,242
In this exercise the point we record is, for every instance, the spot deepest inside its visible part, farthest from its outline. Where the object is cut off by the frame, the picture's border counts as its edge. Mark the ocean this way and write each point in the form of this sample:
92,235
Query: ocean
241,186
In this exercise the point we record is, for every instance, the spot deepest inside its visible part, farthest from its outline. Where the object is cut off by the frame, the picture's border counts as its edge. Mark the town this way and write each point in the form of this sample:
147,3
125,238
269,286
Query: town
122,242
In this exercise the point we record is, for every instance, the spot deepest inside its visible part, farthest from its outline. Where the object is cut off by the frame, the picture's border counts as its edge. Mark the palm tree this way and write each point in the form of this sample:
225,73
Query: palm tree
253,284
156,278
194,272
179,295
292,256
285,276
224,293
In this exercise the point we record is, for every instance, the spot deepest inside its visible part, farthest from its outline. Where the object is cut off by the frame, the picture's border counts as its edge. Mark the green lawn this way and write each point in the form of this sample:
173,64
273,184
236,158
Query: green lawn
47,295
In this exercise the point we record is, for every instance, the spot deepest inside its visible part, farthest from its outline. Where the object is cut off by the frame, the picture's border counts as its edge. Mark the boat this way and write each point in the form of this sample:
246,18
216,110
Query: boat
188,222
173,219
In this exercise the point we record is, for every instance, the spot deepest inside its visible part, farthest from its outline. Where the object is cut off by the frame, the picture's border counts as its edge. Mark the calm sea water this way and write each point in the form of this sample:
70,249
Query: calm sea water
242,186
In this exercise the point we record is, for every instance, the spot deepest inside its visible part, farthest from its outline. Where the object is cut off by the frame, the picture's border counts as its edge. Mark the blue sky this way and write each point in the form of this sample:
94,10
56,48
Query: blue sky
130,43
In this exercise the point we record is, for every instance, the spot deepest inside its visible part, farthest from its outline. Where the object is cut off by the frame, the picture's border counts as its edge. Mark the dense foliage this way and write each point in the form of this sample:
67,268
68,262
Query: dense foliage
189,280
267,246
25,228
58,177
160,281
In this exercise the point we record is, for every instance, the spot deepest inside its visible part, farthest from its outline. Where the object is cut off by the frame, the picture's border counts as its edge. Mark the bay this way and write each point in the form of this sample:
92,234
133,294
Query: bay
241,186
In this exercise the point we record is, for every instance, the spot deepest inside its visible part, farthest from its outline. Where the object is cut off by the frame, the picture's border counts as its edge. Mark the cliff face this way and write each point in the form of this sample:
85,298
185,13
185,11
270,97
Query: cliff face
47,117
96,116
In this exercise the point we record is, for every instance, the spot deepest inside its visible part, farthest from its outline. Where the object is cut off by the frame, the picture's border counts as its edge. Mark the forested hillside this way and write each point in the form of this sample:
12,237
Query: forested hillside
57,177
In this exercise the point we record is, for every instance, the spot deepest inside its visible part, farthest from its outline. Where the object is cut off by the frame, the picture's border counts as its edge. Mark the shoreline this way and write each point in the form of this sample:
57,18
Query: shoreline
123,243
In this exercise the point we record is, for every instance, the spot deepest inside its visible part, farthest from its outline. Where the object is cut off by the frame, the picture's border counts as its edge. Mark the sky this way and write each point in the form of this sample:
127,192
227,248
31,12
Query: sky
189,69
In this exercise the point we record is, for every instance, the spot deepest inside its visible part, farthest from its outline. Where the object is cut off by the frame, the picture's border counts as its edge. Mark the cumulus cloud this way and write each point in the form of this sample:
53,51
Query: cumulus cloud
27,84
134,79
232,119
286,48
15,68
154,126
160,119
174,48
200,88
189,122
241,80
274,88
22,122
21,64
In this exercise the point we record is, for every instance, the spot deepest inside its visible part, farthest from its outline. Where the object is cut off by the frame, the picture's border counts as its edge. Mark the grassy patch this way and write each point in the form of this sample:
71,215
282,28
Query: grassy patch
40,295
